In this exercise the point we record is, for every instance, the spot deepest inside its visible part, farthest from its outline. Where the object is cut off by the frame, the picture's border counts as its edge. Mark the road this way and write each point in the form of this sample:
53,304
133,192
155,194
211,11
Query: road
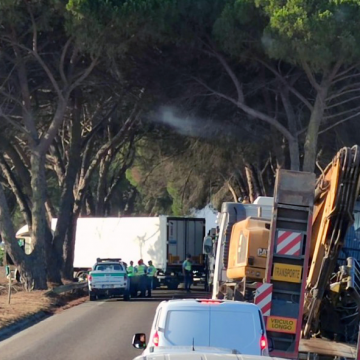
100,330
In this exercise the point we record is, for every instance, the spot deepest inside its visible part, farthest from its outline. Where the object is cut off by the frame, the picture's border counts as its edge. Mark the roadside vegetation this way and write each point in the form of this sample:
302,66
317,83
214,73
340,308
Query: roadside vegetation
136,107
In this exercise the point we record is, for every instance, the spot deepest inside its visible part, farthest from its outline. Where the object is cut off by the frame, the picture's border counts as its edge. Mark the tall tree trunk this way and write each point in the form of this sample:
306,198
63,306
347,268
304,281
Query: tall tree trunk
17,190
278,147
67,195
39,223
294,143
69,248
310,146
33,274
101,187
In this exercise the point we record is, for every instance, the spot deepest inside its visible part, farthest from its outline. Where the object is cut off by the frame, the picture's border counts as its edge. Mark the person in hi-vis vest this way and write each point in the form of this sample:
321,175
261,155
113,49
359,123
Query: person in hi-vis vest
151,272
187,271
140,273
130,269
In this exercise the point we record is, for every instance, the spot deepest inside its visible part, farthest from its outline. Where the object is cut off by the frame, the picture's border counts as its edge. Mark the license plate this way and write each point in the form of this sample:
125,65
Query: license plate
287,272
281,324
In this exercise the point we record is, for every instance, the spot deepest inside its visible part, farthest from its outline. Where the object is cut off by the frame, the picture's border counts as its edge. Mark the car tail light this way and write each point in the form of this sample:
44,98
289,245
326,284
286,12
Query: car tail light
89,277
156,339
263,342
210,302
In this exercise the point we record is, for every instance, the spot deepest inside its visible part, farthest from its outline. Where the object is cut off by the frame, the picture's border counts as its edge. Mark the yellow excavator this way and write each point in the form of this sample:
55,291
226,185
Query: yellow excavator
292,242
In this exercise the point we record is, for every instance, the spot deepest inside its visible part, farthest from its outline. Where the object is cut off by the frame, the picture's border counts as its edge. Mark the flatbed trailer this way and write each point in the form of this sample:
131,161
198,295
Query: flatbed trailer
310,349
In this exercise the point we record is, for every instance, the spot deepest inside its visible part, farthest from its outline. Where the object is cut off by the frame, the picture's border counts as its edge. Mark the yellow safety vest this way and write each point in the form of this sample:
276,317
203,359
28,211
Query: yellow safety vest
151,270
130,271
140,270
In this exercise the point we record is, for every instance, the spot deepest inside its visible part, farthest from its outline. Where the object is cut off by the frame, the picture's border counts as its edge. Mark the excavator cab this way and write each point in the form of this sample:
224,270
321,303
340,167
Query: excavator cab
248,249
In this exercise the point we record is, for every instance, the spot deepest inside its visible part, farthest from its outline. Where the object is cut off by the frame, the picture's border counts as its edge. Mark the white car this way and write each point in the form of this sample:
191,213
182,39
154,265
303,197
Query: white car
202,323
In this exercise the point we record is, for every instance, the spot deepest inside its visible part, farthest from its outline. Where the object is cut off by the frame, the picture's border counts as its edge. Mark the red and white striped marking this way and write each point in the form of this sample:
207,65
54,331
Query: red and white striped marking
263,297
288,243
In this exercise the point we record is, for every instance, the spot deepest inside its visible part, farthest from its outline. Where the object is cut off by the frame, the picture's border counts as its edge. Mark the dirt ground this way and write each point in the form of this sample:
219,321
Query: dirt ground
23,304
2,275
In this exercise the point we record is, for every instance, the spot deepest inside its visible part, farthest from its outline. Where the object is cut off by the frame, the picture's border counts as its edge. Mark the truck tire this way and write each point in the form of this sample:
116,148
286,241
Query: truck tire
92,297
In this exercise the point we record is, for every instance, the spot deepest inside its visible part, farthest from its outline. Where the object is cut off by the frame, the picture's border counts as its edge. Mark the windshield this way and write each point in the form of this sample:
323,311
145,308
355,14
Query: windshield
225,329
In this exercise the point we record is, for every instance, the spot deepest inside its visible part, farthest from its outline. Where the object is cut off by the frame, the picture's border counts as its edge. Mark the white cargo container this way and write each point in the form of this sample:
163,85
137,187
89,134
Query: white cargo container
164,240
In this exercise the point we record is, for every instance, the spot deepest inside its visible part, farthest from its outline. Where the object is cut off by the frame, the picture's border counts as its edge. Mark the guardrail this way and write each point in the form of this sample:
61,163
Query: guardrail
67,287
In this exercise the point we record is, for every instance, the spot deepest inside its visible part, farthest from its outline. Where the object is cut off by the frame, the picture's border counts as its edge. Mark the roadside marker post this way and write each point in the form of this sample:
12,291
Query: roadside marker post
9,292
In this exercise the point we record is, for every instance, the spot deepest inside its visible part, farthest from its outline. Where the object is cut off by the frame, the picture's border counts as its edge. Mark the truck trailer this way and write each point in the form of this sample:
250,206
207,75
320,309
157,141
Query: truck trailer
282,253
165,240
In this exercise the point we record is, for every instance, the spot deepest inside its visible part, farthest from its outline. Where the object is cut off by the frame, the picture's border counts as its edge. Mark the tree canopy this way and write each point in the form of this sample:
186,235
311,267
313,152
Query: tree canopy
138,107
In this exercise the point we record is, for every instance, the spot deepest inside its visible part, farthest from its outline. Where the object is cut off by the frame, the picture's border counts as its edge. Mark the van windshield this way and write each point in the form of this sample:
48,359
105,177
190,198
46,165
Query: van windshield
226,329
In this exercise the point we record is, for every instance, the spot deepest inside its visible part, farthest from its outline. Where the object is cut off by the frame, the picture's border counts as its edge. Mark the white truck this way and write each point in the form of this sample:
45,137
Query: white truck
165,240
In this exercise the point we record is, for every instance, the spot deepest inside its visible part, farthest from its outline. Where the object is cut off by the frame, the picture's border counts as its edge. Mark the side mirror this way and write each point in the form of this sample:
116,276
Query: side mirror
271,344
139,341
208,245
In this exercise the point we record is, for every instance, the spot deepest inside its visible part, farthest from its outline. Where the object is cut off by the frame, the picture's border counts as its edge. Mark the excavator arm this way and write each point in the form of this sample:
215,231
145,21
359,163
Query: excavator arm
336,192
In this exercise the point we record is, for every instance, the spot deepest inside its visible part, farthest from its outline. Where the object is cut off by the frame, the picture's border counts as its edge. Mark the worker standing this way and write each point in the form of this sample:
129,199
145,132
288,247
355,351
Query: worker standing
140,273
130,269
187,267
151,272
131,275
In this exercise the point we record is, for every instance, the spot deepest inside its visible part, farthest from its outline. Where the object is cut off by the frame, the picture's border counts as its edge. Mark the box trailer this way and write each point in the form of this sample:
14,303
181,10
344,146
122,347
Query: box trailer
164,240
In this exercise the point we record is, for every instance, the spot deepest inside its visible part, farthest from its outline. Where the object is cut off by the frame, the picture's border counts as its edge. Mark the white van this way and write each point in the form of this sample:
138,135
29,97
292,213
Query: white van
236,326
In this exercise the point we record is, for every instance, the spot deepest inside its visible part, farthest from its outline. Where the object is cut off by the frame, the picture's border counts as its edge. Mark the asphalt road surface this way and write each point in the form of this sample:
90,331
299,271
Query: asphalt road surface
100,330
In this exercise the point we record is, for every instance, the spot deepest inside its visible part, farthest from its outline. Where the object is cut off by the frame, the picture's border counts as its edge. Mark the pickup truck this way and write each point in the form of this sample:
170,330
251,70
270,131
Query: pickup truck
108,278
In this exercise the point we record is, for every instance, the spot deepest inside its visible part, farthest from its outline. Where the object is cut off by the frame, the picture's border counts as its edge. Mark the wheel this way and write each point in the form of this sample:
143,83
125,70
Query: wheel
92,297
126,297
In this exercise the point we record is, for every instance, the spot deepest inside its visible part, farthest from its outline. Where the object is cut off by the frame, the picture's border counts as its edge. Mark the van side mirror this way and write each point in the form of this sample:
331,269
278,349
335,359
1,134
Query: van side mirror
271,344
139,341
208,245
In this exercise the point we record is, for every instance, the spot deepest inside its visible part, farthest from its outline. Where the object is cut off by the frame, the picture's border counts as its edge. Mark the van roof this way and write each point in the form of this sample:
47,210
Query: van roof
183,303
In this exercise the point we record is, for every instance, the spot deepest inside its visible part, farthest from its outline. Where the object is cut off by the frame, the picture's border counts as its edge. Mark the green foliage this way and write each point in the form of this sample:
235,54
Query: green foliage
177,203
319,32
239,28
116,24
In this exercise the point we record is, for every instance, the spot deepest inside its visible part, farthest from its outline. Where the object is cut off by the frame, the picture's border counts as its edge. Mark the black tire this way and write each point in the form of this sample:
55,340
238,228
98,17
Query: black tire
126,297
92,297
